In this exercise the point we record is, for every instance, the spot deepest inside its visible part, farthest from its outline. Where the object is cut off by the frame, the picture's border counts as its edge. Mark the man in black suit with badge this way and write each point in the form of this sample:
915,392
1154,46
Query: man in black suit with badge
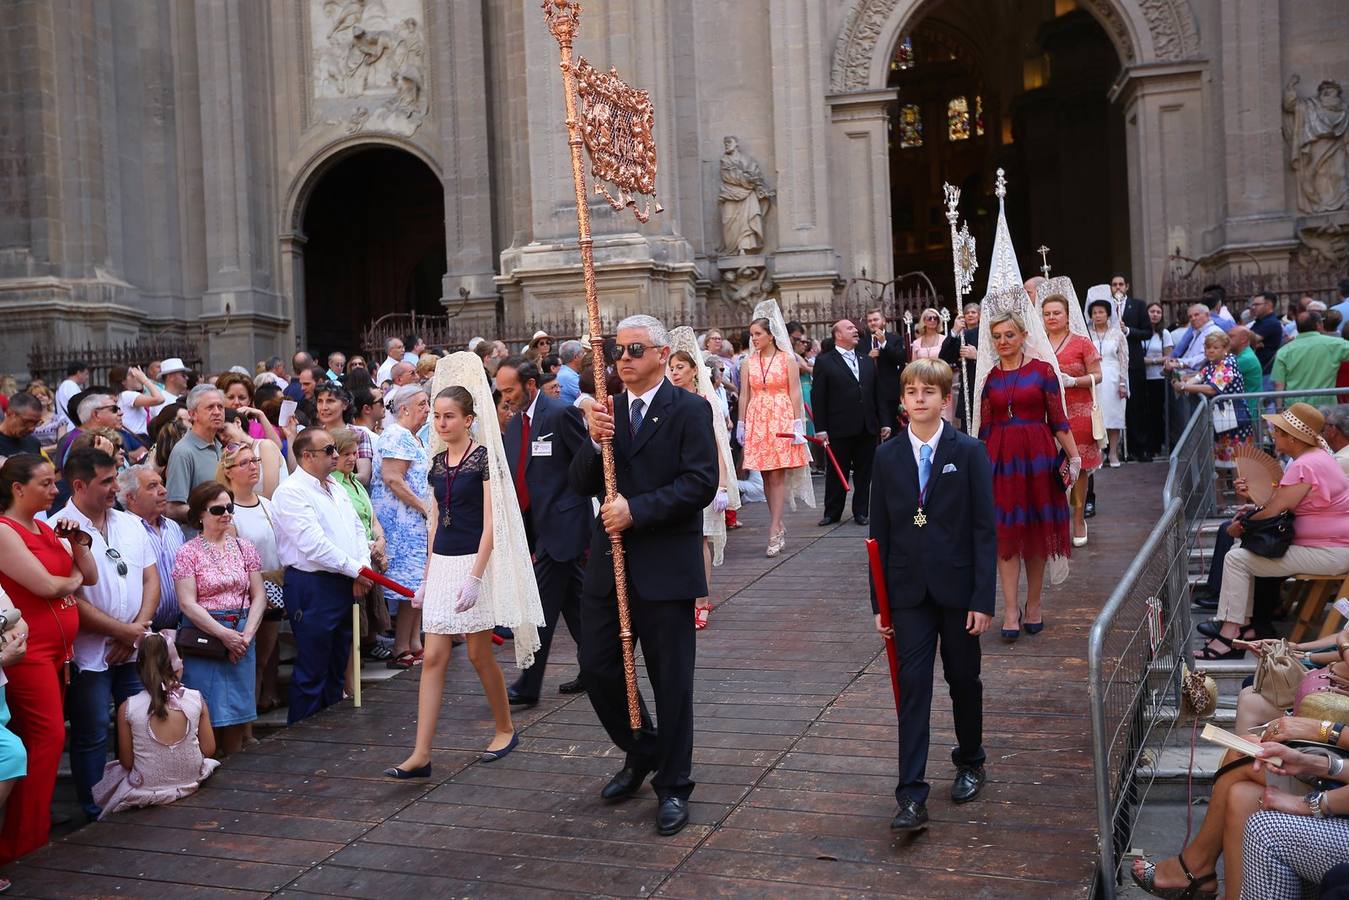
933,519
541,440
1134,314
886,349
665,458
844,398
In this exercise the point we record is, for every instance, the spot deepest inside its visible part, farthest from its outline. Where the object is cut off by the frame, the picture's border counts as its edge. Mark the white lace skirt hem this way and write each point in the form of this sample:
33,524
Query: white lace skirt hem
443,579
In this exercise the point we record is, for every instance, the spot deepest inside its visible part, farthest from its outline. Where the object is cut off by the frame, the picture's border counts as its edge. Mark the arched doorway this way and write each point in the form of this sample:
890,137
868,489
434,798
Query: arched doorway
984,84
374,227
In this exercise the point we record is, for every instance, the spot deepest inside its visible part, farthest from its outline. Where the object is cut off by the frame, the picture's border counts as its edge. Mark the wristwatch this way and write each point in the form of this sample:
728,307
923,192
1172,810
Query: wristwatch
1324,734
1314,802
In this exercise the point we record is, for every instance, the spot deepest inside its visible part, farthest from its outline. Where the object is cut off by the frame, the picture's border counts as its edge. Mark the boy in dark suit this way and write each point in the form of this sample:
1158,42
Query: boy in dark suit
932,515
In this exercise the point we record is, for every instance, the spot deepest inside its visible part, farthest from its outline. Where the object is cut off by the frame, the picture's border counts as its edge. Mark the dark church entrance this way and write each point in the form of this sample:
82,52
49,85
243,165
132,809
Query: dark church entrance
1023,86
375,225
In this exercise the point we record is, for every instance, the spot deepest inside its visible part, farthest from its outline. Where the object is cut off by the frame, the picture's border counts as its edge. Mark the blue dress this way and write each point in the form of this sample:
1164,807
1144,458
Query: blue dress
404,527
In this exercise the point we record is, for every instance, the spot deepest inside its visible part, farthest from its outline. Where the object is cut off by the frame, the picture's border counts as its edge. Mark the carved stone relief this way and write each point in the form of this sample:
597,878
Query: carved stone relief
369,64
1317,131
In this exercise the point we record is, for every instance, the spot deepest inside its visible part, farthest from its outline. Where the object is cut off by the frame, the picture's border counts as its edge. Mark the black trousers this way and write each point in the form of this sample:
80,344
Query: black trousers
560,593
665,631
917,632
1136,425
854,455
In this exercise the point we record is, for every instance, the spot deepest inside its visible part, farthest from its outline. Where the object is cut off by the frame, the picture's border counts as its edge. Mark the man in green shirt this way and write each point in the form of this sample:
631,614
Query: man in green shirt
1311,360
1248,363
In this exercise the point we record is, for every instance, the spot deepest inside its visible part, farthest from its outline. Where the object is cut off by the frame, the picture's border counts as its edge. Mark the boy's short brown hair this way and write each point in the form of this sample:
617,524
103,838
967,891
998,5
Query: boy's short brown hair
935,372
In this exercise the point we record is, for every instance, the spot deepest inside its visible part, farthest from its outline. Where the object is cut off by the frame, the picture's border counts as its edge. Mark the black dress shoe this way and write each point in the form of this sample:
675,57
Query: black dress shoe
912,816
969,781
827,520
672,816
1209,603
860,520
575,686
627,782
517,699
1089,511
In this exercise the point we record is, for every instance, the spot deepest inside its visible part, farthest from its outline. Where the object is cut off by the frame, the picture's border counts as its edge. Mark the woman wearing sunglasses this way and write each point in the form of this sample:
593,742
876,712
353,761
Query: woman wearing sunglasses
219,581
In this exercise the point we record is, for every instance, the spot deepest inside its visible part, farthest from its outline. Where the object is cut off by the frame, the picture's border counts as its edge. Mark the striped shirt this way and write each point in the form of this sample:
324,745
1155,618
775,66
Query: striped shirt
166,537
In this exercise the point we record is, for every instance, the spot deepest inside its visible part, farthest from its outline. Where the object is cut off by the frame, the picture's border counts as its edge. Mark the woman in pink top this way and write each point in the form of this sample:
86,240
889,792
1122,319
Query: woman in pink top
1316,490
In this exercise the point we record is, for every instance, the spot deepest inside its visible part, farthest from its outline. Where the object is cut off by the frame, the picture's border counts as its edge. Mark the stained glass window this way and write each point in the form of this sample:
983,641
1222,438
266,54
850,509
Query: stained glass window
979,114
910,126
903,54
958,119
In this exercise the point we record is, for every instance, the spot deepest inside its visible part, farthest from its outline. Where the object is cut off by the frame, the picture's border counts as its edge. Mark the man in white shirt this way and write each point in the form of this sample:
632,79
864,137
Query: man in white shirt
393,355
77,378
321,543
1190,346
114,613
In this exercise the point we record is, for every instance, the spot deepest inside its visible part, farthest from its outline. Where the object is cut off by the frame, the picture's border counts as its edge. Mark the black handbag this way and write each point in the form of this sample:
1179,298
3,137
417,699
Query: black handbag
1269,538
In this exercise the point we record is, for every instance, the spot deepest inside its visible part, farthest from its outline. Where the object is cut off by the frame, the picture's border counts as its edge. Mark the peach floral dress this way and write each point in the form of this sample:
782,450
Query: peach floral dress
770,413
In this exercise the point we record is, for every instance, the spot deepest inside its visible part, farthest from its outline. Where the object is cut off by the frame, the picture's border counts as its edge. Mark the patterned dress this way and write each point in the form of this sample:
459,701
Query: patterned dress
1225,378
160,773
404,526
770,413
1021,411
1075,354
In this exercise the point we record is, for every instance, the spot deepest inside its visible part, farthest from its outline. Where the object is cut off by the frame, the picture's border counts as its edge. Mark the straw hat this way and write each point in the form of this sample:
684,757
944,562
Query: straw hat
1301,421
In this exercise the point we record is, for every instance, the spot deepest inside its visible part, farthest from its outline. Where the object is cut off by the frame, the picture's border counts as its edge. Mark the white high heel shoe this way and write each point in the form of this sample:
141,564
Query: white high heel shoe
1081,541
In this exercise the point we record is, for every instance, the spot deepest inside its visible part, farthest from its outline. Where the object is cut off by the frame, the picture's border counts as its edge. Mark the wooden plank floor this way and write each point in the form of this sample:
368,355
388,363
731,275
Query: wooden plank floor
794,758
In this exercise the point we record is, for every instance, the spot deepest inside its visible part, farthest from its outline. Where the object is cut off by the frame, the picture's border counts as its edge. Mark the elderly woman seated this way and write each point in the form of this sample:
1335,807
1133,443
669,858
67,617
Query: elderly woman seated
1316,491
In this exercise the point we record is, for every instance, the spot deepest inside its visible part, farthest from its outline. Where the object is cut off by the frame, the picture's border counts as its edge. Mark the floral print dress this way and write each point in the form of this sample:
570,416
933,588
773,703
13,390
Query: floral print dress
404,526
1225,378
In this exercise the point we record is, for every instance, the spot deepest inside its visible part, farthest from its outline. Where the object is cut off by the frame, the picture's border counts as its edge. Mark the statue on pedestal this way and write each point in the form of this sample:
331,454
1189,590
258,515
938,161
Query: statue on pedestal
744,200
1315,128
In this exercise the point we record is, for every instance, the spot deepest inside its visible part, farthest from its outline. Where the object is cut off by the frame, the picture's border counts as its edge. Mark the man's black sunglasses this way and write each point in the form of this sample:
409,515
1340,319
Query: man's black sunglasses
635,350
331,450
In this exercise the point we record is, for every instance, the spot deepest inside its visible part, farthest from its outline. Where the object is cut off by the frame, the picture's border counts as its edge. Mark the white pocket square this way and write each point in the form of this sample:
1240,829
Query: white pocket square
949,467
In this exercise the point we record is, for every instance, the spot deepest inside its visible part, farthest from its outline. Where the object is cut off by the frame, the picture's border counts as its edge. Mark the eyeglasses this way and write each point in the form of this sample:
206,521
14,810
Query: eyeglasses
635,350
221,509
116,557
246,462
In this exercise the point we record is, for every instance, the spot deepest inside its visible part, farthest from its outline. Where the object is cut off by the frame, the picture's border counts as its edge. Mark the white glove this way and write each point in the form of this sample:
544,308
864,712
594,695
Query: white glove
1068,381
420,597
823,436
468,594
1074,469
722,501
740,432
798,431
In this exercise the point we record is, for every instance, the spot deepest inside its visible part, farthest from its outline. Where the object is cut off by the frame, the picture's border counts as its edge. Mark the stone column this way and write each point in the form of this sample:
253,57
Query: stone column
1169,208
860,172
805,265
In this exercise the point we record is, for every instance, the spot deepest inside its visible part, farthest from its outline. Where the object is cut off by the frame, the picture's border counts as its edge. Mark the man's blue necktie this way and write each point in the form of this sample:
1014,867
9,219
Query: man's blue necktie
924,467
635,416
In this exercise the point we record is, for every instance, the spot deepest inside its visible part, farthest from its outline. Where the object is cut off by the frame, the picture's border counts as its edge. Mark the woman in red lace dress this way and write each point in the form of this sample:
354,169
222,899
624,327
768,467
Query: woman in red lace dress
40,574
1020,419
1080,366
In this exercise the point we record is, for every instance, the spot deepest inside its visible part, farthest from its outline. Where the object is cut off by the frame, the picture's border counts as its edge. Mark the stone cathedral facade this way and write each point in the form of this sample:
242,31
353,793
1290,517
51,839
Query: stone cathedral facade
267,174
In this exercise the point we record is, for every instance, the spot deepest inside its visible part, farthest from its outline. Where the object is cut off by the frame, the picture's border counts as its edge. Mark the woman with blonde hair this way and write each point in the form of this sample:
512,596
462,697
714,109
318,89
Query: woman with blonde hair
930,342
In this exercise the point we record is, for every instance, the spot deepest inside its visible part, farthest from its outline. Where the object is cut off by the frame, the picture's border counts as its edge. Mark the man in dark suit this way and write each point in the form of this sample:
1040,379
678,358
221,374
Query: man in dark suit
933,519
541,440
1134,315
887,351
665,458
847,418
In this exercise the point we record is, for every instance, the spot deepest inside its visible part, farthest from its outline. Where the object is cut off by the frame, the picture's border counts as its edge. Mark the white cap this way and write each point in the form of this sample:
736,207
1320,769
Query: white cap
171,365
473,343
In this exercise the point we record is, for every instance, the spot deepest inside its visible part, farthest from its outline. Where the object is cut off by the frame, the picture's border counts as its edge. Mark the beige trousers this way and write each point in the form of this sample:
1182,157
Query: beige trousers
1242,567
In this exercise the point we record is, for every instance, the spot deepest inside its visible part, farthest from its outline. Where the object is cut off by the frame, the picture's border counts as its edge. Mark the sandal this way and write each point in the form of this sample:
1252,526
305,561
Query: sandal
1192,890
404,660
1208,653
700,617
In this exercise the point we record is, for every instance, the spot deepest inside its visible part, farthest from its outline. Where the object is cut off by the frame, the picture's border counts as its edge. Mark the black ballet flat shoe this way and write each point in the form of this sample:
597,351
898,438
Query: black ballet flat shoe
517,699
671,816
400,774
969,781
912,816
491,756
627,782
575,686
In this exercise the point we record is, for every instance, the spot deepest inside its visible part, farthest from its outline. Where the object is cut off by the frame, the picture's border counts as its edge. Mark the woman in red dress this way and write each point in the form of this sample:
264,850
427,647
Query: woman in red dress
1020,419
1080,366
40,574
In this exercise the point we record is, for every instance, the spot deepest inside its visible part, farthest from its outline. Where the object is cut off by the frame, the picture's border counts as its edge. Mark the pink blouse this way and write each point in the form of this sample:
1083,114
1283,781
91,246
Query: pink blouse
1322,518
221,573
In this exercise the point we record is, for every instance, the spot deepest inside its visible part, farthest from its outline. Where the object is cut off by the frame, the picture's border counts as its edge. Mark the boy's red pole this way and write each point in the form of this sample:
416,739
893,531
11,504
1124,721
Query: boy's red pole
883,605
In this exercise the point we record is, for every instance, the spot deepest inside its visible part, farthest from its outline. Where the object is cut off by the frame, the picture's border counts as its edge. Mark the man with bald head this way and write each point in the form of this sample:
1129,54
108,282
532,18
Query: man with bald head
1033,288
1252,375
848,417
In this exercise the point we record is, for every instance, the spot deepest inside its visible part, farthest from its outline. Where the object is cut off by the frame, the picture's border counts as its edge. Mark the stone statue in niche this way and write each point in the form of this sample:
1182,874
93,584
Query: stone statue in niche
1315,128
369,61
744,200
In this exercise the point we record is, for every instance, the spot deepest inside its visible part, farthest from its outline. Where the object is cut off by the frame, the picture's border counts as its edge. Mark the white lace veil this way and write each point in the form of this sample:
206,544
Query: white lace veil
799,486
1063,285
508,584
1006,291
714,524
1102,292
